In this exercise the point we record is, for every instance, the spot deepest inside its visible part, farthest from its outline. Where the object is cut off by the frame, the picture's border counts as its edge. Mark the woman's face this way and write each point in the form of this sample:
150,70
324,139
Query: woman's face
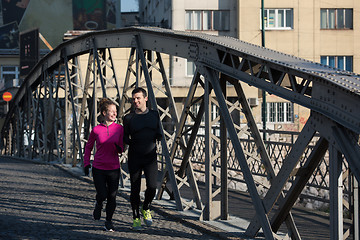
110,114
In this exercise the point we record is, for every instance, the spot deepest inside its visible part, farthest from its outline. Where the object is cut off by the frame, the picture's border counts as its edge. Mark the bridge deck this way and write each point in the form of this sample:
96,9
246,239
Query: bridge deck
43,201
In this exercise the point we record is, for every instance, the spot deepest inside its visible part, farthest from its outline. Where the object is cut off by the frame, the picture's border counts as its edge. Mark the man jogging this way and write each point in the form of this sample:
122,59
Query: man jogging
141,130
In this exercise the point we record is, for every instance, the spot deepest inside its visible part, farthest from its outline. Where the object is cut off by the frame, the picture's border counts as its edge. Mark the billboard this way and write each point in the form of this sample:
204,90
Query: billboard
29,51
89,15
53,18
13,10
9,36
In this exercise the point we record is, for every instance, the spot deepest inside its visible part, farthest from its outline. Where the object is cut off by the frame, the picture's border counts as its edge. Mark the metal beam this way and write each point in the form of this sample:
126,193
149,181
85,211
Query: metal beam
283,175
186,147
336,191
209,75
165,150
302,176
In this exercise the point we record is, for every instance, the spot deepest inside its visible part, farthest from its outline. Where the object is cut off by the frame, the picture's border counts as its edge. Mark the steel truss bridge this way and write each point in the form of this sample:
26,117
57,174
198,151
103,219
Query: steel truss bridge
56,106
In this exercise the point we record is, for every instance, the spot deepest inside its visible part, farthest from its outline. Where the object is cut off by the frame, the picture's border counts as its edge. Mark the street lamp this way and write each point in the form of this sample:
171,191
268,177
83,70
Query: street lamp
263,107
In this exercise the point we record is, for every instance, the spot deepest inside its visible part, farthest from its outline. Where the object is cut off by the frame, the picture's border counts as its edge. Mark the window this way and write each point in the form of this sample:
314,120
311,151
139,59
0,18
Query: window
214,113
221,20
278,18
190,68
280,112
340,62
208,20
9,73
336,18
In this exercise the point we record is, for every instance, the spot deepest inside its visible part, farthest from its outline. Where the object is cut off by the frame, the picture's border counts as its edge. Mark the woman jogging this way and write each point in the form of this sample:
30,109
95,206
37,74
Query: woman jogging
108,136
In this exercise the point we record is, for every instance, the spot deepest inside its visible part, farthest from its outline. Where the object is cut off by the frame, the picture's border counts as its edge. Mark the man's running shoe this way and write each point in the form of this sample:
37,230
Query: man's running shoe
137,224
97,211
147,216
109,226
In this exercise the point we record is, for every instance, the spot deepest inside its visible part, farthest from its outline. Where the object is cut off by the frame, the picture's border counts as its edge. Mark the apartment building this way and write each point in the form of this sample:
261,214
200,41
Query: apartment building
212,17
320,31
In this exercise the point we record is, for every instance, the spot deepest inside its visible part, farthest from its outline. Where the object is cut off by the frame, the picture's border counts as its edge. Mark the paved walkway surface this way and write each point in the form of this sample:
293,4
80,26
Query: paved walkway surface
45,201
39,201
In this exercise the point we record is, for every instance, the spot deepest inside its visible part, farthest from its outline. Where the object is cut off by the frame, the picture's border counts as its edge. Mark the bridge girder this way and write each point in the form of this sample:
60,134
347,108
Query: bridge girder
56,107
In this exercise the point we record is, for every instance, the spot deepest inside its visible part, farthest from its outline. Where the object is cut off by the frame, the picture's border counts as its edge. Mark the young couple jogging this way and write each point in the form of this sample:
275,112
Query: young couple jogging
141,130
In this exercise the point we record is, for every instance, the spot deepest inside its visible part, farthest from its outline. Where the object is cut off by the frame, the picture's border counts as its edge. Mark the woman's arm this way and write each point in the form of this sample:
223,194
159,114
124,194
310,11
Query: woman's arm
88,148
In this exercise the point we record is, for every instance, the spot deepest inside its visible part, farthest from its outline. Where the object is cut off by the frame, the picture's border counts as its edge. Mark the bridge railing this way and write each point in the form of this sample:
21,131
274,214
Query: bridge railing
278,144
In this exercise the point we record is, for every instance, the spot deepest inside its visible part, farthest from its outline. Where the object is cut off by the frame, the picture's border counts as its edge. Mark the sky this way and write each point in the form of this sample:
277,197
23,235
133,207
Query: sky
129,6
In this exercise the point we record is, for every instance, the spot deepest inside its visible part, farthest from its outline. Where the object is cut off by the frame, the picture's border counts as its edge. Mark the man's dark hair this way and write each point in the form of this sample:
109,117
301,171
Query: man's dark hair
139,89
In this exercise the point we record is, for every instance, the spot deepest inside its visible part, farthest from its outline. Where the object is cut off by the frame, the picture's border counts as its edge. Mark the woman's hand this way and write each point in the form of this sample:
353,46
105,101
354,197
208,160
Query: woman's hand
86,170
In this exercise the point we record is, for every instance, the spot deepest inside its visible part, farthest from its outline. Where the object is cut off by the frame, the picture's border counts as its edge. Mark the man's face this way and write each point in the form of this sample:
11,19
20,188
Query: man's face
139,101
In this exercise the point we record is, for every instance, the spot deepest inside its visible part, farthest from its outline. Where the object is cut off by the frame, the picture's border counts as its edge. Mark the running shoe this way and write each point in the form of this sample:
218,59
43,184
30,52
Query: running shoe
109,226
97,211
147,216
137,224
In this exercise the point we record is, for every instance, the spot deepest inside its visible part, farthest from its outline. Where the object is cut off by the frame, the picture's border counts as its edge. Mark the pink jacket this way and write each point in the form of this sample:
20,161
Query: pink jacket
106,156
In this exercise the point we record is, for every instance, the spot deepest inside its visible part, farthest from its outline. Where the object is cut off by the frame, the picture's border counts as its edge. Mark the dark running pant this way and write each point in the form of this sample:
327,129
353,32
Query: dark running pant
150,171
106,184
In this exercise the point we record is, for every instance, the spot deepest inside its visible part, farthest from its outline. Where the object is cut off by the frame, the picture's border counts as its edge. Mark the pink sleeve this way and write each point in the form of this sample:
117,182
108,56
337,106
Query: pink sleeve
88,148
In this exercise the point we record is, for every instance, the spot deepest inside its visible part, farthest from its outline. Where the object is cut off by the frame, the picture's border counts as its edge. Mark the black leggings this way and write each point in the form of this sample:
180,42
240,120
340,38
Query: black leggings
106,184
150,171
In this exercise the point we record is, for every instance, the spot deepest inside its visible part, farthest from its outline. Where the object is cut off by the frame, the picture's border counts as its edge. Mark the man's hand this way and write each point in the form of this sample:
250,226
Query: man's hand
118,148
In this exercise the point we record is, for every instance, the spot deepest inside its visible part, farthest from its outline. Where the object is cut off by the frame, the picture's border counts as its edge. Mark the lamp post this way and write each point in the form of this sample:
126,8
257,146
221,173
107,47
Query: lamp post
263,107
262,24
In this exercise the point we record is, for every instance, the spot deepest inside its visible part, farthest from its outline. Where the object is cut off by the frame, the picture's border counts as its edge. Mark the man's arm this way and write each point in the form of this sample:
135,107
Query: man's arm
159,135
126,129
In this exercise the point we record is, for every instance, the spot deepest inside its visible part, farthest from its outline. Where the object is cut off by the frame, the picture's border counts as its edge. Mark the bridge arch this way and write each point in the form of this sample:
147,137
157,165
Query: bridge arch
56,107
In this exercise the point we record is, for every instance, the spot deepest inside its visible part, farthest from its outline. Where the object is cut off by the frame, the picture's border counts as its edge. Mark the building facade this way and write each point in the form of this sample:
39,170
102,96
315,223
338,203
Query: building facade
319,31
212,17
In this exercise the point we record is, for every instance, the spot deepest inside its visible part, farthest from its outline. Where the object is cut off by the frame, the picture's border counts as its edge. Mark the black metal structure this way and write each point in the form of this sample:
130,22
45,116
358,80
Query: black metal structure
56,106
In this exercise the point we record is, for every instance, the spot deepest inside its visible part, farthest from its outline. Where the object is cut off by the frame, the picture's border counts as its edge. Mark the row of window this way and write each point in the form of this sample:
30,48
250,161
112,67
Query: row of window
282,19
341,18
277,112
278,18
340,62
330,18
280,112
8,74
218,20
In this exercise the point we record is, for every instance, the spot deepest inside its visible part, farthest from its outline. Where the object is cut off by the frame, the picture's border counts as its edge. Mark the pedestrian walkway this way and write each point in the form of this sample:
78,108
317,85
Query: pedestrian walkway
40,201
44,201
